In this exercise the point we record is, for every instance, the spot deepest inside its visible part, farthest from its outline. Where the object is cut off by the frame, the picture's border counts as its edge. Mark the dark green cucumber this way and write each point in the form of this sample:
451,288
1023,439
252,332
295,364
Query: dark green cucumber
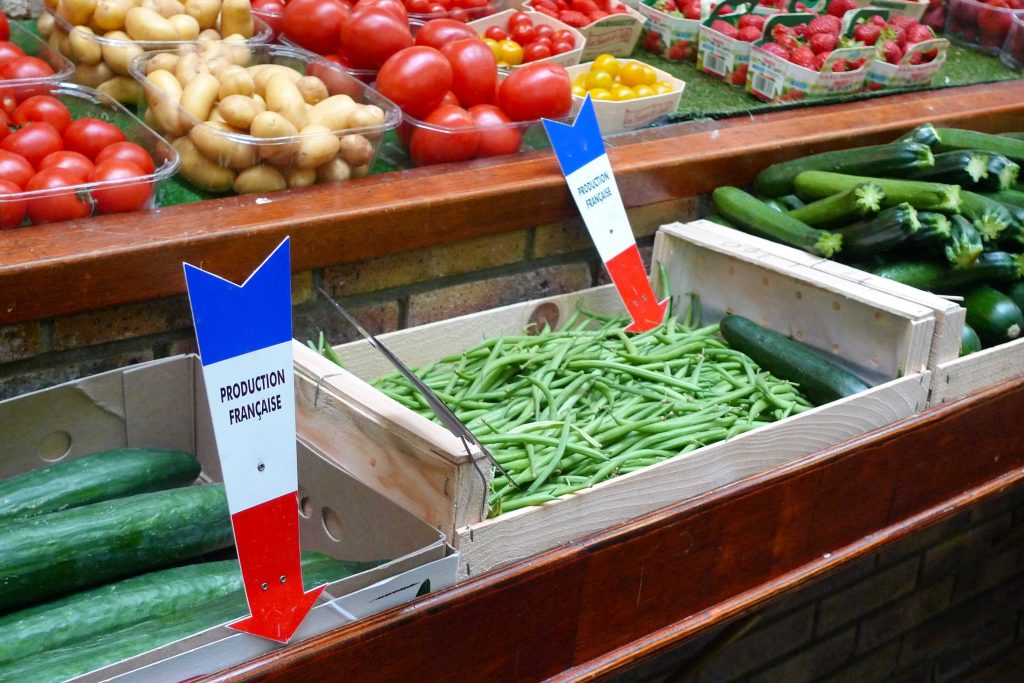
778,179
1008,197
993,315
818,378
104,649
990,267
1004,171
969,341
923,196
86,614
990,217
956,138
966,168
92,478
841,209
50,555
879,234
924,134
750,214
965,244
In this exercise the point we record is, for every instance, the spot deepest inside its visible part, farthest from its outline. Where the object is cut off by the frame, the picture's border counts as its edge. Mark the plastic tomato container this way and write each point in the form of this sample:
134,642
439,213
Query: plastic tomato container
622,116
364,75
219,161
34,47
978,25
110,74
88,103
500,20
272,19
1012,54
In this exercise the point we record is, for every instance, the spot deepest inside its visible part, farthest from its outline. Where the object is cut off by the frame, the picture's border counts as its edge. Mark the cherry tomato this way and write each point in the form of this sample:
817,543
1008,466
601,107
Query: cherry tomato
563,34
33,142
510,52
437,8
561,47
418,6
9,52
437,32
395,6
523,32
496,33
535,90
127,151
459,14
5,28
314,24
517,18
15,169
474,70
450,98
56,206
544,31
535,51
43,108
270,11
22,68
127,196
431,146
69,161
372,34
497,134
12,211
89,136
416,79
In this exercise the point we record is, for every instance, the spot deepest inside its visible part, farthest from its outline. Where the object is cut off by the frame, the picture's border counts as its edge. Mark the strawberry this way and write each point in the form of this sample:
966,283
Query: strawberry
749,34
837,8
839,66
720,25
588,6
691,10
917,33
739,76
837,23
823,42
854,64
994,22
574,18
776,49
891,52
755,20
802,56
820,59
819,25
903,20
867,33
916,58
597,16
680,51
879,21
897,34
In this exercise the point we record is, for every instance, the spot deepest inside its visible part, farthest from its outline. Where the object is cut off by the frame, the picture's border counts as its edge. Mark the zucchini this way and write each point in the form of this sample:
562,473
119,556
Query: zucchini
956,138
924,134
774,204
966,168
93,478
889,229
1016,292
840,209
53,554
749,213
989,267
990,217
894,157
1004,171
715,218
922,195
1008,197
102,650
935,229
791,202
965,244
993,315
969,341
86,614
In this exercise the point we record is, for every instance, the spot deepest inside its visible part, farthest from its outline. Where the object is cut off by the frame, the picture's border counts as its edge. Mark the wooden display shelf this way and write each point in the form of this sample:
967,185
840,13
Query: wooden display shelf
601,604
120,259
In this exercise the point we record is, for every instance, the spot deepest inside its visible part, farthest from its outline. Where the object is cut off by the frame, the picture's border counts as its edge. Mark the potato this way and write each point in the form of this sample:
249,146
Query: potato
366,116
165,105
92,75
124,89
118,56
211,142
260,102
203,11
237,49
199,94
234,80
164,61
168,8
76,12
334,112
238,111
270,124
260,179
355,150
52,4
262,73
58,40
84,48
188,27
300,177
109,14
209,34
236,17
283,96
200,171
334,170
317,146
360,171
145,24
215,116
188,67
312,89
45,24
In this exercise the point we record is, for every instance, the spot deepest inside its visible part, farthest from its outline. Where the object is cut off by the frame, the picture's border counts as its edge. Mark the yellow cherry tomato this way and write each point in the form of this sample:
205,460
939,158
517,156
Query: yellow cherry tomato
621,93
581,79
650,78
662,87
579,90
599,79
504,65
600,94
643,90
493,44
632,73
510,51
606,62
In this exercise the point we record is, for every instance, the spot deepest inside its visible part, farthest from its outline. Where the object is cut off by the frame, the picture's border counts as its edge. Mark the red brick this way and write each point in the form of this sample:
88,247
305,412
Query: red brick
308,321
22,340
810,663
761,645
893,620
121,322
867,595
63,370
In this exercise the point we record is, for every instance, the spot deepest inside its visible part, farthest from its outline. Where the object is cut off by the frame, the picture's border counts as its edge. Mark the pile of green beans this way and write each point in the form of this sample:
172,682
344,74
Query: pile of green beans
564,410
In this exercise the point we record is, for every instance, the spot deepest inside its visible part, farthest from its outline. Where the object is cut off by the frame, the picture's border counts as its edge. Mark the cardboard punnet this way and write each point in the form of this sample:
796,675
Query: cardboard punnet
883,75
670,36
615,34
539,19
720,56
162,404
617,117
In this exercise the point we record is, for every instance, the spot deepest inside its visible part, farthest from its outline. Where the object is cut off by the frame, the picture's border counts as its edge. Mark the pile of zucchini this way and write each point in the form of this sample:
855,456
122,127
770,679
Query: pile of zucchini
940,209
101,559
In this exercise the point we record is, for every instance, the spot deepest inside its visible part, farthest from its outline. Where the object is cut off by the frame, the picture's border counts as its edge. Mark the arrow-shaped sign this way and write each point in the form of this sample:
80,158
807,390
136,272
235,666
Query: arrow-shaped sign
244,335
588,172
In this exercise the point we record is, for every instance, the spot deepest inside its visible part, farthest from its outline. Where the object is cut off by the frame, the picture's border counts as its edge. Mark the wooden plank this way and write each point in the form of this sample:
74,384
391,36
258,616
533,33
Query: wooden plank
958,378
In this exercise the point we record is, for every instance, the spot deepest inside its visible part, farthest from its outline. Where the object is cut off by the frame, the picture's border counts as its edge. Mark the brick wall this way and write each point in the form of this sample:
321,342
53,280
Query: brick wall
385,293
940,605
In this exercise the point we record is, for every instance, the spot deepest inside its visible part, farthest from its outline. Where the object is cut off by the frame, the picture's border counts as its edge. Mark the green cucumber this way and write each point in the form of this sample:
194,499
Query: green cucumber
879,234
86,614
956,138
965,244
922,195
969,341
818,378
104,649
750,214
841,209
778,179
924,134
53,554
990,217
93,478
966,168
993,315
989,267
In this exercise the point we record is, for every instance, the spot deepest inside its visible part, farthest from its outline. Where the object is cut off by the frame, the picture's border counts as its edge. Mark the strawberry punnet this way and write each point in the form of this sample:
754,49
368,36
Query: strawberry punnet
867,33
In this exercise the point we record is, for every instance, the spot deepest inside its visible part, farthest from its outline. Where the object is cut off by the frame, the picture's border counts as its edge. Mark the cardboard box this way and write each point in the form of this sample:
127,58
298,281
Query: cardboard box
424,468
617,117
162,404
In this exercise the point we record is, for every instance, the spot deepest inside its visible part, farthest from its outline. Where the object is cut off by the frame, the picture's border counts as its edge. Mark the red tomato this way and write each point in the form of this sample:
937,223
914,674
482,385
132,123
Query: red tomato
9,52
536,90
127,151
21,68
563,34
5,28
437,32
372,34
519,18
12,211
416,79
418,6
437,8
33,142
270,11
395,6
544,31
474,70
15,169
314,24
495,33
128,196
429,146
56,206
459,15
561,47
523,32
43,108
497,135
69,161
535,51
89,136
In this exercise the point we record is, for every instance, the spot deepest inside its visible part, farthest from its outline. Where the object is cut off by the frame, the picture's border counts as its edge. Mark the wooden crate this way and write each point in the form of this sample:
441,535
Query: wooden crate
422,467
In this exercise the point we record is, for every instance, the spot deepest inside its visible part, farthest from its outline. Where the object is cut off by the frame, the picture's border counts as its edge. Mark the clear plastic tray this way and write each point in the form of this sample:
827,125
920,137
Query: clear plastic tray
1012,54
364,75
85,102
978,25
33,46
238,152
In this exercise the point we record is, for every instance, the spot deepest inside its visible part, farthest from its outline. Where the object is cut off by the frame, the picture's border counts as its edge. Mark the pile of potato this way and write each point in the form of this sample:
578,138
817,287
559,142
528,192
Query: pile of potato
99,35
216,110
